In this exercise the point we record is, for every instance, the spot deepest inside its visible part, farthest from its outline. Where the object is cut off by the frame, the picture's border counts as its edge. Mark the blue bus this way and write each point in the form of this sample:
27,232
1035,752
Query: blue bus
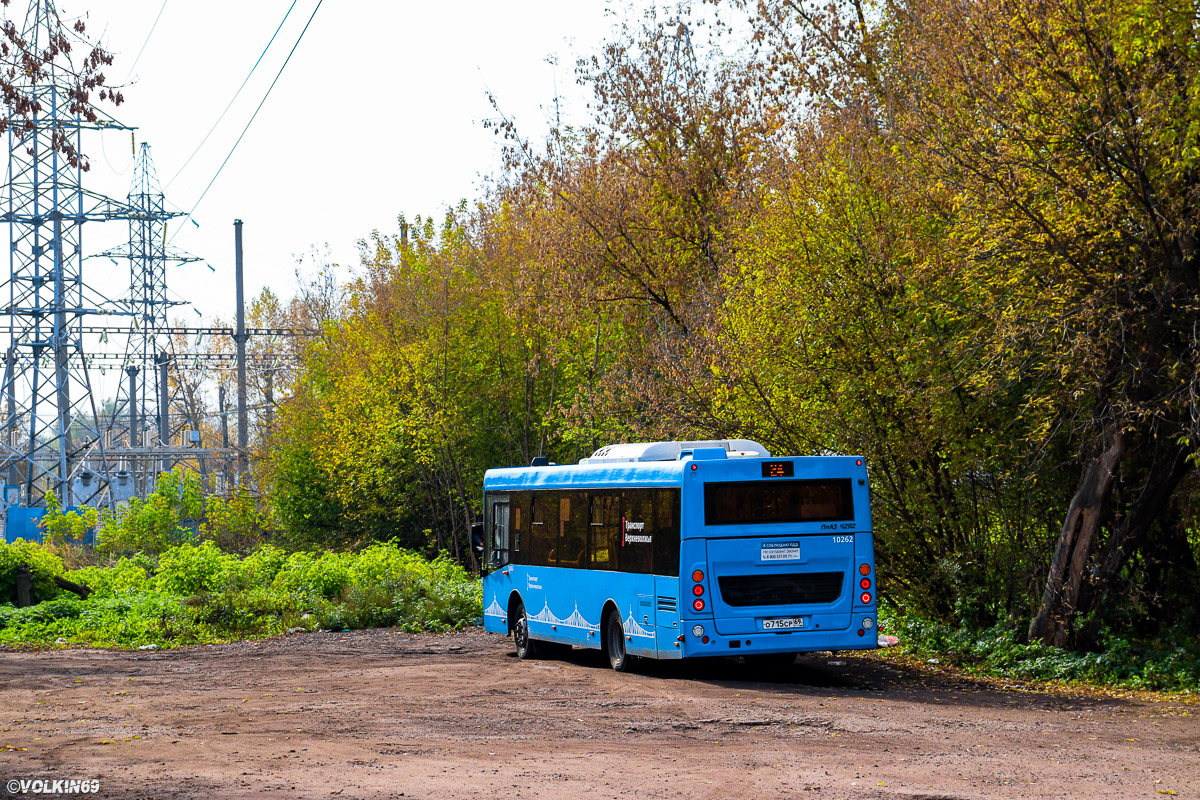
681,550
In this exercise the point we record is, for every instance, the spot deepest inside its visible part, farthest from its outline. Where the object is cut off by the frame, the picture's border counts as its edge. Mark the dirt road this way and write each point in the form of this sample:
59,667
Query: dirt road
377,714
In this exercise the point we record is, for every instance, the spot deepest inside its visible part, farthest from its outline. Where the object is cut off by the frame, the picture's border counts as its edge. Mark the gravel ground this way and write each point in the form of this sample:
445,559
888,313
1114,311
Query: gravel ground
384,714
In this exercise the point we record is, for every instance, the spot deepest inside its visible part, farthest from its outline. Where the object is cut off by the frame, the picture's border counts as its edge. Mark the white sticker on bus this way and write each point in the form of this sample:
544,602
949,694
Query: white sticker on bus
780,551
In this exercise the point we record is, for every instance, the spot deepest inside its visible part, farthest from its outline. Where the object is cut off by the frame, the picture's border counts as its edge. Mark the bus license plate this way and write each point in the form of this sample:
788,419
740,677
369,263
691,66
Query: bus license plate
783,623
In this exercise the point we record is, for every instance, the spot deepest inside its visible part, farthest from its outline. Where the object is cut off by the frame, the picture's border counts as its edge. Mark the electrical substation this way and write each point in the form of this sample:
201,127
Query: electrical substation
58,436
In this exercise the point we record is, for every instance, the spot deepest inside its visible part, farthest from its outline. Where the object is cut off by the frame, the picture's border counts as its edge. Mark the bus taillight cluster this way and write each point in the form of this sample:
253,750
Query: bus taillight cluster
865,583
698,590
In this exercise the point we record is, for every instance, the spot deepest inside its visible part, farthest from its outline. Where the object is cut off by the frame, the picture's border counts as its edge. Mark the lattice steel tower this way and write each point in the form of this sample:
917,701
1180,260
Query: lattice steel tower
145,395
50,436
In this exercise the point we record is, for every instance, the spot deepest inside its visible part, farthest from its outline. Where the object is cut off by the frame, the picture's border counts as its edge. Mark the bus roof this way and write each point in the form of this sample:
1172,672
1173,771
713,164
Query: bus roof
652,473
659,473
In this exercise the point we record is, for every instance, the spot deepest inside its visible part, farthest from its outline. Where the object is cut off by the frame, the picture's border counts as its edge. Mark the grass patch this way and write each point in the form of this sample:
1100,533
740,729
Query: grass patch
1171,663
197,593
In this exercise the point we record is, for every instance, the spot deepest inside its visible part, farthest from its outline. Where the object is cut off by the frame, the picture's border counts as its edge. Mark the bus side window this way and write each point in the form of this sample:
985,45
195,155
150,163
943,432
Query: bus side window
604,529
543,530
515,526
666,531
573,525
638,521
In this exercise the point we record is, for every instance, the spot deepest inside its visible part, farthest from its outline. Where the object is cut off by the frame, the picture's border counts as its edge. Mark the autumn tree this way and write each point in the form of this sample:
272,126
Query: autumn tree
46,49
1059,144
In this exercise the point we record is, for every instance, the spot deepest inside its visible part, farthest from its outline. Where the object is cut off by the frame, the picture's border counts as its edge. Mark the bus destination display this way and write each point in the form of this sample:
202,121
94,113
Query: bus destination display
777,469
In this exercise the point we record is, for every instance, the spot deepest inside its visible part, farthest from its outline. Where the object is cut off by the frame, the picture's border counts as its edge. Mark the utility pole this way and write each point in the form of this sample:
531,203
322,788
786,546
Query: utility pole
135,427
269,397
134,423
221,406
164,411
10,425
240,339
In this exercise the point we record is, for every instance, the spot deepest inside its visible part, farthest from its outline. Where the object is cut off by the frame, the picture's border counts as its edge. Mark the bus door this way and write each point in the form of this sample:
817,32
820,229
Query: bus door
499,544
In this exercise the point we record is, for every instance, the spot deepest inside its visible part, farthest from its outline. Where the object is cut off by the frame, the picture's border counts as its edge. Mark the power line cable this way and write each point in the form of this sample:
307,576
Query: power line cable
254,115
148,35
235,96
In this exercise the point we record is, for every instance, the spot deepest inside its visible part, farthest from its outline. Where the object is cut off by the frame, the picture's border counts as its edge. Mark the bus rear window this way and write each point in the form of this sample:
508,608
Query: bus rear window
766,502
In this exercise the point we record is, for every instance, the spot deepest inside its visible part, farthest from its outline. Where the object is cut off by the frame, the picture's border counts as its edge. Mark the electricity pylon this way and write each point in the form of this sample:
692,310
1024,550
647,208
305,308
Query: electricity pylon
50,439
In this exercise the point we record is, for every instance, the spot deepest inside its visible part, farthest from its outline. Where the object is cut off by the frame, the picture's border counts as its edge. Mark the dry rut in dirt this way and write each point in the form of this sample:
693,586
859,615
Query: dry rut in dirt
383,714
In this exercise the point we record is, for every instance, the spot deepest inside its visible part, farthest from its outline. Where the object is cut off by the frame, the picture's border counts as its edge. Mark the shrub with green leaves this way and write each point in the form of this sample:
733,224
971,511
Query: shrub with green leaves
237,522
194,569
43,566
1171,663
154,524
66,528
124,576
323,575
196,593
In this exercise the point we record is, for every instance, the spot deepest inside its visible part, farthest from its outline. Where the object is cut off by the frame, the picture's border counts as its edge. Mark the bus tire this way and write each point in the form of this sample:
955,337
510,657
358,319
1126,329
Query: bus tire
527,647
614,643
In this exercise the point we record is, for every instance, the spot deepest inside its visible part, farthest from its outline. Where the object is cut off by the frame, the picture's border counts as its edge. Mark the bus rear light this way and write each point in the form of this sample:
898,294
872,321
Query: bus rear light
699,604
865,597
865,583
697,630
698,589
697,576
858,462
864,569
704,639
868,623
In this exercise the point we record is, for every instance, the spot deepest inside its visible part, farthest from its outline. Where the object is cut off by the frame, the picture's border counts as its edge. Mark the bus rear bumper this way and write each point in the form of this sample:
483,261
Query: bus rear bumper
775,642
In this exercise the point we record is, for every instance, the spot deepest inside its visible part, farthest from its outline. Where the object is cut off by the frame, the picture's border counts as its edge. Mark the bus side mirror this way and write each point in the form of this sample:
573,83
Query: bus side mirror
477,541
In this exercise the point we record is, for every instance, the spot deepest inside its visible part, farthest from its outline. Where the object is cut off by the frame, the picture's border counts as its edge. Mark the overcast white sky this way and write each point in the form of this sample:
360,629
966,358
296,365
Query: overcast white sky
378,113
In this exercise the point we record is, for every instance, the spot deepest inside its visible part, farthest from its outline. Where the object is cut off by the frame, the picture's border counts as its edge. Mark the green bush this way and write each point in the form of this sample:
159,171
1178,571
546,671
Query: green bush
129,621
44,566
192,569
125,576
260,567
196,593
237,522
325,575
1168,664
66,529
154,524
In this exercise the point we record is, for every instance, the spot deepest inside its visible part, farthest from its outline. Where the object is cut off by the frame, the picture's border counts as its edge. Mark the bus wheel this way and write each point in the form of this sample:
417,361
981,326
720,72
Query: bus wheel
526,647
618,657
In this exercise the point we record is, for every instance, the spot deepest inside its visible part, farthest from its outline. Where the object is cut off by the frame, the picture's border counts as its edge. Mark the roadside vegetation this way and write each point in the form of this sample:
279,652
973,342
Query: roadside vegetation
156,580
1168,662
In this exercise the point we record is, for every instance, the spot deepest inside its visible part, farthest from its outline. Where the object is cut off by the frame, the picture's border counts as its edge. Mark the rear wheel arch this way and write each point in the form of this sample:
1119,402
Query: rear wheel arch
514,601
610,607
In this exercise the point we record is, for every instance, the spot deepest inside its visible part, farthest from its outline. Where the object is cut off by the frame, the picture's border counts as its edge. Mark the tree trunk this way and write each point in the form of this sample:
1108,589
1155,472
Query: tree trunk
1162,479
70,586
24,579
1075,543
